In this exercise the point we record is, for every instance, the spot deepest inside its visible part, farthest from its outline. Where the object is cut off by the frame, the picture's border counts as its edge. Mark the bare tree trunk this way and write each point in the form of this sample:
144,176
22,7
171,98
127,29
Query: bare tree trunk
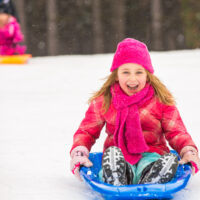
118,21
98,43
156,23
20,7
51,28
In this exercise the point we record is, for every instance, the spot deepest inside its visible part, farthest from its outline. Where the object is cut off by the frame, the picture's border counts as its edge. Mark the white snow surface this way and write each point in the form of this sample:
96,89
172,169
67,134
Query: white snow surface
42,104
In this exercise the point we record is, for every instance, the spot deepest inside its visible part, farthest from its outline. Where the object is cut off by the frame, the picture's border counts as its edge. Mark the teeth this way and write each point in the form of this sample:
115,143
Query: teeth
132,87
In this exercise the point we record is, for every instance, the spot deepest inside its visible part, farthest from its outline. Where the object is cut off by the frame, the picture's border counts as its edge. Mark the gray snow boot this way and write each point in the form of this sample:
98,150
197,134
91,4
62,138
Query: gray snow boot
116,170
161,171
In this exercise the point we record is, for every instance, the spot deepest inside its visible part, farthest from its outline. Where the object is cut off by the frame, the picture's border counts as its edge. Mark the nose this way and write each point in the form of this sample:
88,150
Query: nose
132,78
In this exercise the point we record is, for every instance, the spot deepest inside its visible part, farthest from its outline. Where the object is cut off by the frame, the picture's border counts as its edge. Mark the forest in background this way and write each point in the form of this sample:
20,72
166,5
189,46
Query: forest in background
60,27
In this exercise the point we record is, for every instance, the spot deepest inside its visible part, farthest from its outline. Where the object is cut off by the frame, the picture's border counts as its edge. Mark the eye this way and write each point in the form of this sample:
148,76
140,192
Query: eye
125,72
139,72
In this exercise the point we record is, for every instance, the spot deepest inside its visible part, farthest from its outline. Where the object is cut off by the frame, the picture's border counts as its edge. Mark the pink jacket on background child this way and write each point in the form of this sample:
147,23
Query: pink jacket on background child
159,123
10,36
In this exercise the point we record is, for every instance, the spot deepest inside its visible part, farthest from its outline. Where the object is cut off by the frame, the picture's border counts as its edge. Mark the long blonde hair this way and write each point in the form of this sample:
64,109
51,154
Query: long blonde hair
163,94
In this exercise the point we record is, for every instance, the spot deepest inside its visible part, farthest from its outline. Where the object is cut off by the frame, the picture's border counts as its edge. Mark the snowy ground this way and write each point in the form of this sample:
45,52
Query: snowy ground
42,104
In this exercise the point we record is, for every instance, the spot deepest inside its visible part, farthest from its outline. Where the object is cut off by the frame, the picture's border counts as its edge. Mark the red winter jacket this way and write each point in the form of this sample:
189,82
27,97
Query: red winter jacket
159,123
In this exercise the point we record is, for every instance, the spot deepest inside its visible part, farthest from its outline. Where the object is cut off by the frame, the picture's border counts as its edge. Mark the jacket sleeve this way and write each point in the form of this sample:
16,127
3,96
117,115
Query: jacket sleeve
9,30
18,36
90,127
174,129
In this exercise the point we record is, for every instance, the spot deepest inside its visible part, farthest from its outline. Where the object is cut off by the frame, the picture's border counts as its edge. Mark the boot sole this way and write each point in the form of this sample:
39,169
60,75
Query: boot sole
114,167
163,170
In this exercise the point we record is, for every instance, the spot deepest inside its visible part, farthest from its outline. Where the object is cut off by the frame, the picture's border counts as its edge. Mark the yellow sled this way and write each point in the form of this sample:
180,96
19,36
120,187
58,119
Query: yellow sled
15,59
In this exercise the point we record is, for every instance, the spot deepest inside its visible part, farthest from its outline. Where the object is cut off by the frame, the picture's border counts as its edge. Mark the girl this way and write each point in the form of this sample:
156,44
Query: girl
140,116
10,33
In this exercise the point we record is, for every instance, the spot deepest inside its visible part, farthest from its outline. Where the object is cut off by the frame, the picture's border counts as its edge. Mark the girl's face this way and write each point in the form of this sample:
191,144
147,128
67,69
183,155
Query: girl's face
132,78
3,19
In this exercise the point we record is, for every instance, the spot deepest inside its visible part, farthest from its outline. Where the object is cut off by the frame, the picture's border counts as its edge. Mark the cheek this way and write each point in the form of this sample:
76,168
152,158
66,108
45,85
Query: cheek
121,79
122,82
143,80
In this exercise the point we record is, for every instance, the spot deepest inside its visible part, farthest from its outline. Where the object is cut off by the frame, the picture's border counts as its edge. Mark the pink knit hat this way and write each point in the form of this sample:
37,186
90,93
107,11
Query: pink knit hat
132,51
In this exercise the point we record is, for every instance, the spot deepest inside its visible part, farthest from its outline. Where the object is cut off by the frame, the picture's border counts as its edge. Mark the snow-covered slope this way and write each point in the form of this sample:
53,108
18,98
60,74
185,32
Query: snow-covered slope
42,104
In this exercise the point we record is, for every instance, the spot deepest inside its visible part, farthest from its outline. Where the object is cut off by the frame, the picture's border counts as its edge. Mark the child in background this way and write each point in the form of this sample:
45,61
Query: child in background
10,33
140,117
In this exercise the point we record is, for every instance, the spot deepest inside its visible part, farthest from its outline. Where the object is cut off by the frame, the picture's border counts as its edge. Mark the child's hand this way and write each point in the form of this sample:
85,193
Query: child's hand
190,155
79,156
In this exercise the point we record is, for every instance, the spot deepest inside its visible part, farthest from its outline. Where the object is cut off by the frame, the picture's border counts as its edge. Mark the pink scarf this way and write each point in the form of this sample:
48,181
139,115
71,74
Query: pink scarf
128,134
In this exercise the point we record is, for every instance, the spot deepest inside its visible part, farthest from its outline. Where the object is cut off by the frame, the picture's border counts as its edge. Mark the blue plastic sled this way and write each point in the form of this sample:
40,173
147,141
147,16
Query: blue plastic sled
140,191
